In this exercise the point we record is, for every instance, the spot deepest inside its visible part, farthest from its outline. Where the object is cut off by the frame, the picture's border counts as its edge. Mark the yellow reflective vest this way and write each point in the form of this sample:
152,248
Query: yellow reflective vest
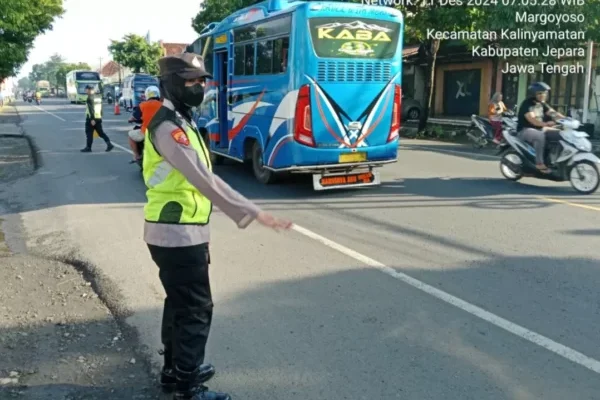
171,198
97,109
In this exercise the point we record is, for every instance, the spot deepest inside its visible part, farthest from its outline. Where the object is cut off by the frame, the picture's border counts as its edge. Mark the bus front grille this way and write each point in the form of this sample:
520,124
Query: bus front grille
350,71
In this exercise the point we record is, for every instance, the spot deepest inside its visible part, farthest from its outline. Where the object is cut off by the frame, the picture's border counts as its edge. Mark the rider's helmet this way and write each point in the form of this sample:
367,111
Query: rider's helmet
152,92
537,87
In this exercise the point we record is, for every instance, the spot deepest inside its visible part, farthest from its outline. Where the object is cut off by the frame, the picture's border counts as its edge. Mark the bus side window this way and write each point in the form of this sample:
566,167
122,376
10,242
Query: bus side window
239,62
280,55
249,59
264,57
208,61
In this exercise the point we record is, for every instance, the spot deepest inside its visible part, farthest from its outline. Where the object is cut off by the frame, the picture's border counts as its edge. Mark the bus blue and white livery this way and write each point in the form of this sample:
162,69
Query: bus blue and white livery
304,87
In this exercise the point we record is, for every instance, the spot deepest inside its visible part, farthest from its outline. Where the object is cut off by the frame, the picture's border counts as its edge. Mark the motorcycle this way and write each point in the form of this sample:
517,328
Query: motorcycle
571,159
140,145
109,98
29,99
484,133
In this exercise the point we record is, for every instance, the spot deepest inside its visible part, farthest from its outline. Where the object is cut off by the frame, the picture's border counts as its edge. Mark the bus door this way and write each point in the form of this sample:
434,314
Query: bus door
223,79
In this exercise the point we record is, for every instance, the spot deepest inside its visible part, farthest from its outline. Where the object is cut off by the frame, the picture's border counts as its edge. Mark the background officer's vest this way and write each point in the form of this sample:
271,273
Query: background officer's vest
171,198
97,109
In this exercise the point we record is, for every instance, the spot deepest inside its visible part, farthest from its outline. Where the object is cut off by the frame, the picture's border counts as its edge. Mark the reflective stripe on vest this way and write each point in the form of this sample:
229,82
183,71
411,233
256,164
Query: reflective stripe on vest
171,198
97,109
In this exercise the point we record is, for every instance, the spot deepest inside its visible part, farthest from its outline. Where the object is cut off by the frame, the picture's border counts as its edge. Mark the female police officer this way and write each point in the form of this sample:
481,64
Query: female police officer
181,192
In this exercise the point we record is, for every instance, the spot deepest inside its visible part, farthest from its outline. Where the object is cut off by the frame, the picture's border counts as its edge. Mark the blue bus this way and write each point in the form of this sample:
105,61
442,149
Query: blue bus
304,87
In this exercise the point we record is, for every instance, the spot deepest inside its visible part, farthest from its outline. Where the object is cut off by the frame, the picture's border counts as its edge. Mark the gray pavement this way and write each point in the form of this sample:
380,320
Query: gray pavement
336,316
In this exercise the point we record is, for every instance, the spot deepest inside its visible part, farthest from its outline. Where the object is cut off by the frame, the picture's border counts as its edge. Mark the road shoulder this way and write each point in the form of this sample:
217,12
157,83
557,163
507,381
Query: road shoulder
57,338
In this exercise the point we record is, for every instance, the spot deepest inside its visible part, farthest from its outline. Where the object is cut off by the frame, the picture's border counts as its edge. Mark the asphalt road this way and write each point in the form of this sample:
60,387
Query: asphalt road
447,282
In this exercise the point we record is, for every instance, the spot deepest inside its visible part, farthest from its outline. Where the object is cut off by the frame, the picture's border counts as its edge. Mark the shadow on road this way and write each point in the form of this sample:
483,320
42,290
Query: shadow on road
584,232
460,150
359,328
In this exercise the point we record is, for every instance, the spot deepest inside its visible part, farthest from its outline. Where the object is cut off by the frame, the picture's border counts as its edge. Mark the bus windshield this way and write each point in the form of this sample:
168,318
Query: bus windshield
82,85
364,38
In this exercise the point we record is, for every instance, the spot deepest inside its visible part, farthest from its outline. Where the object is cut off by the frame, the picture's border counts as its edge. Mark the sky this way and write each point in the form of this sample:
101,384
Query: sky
84,31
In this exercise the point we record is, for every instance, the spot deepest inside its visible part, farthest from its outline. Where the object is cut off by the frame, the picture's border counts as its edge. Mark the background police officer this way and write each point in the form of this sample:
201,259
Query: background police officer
93,120
181,192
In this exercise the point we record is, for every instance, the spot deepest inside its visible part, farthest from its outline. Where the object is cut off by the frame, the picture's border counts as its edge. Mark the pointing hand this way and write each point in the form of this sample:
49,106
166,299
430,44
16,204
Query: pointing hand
272,222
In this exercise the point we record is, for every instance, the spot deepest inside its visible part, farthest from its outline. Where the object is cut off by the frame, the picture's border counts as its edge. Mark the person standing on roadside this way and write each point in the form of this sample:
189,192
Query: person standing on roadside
495,110
181,192
93,120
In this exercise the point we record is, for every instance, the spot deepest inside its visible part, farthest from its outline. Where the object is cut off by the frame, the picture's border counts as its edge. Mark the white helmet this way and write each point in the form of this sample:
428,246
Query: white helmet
152,91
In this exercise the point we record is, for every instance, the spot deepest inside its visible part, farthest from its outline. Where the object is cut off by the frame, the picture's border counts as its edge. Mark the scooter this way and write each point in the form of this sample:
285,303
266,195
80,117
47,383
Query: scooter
481,132
571,159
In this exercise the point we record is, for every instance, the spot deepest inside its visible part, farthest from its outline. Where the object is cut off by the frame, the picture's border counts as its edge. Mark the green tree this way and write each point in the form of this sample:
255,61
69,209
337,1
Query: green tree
422,17
12,56
504,18
136,53
47,71
419,19
64,69
25,83
217,10
22,21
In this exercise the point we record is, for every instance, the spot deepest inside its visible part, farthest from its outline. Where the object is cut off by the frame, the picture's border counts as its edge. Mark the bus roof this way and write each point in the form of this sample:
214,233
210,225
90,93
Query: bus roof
270,8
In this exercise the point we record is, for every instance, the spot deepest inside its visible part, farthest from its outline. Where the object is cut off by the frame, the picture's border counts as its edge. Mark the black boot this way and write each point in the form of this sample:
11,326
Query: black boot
189,387
167,374
86,150
109,146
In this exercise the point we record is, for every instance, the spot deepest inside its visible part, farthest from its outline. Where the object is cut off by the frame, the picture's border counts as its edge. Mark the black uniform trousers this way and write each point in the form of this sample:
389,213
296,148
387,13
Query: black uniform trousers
89,132
188,309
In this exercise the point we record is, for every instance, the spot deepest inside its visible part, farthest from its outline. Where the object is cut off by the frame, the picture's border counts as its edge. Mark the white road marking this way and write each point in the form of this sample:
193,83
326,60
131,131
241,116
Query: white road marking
48,112
117,145
524,333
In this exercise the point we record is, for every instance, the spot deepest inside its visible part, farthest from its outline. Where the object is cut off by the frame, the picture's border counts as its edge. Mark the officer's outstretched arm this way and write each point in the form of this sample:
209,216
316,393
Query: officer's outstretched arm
173,144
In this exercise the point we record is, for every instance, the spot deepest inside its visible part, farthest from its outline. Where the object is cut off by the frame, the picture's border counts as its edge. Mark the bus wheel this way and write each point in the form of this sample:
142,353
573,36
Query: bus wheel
262,175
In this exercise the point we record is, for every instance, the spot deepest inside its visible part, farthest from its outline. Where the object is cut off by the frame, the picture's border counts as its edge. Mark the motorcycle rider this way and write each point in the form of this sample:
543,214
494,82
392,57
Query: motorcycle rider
535,121
38,96
143,113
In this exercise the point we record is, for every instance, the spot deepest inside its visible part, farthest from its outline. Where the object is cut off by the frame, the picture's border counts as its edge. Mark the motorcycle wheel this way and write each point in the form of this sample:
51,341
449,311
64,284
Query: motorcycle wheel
511,157
584,177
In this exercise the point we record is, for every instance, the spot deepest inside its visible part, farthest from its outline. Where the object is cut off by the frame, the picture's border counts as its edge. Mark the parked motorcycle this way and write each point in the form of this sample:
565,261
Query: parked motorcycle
481,131
570,159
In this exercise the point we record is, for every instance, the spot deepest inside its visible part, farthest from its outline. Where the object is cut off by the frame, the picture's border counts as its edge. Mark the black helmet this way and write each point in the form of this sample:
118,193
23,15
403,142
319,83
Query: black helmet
537,87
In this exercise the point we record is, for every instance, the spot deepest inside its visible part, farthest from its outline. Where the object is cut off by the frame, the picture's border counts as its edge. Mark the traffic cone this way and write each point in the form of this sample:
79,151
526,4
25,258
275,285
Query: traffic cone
117,108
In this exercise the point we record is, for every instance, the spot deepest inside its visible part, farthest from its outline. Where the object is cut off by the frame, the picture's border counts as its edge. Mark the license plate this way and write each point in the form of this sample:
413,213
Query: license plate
321,182
352,157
